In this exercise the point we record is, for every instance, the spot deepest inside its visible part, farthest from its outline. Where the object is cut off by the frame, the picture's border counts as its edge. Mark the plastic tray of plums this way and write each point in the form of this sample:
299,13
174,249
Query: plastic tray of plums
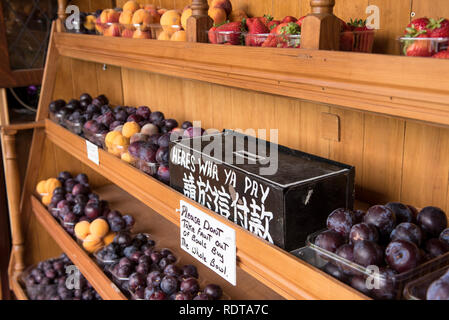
57,118
75,126
433,286
377,285
46,290
95,138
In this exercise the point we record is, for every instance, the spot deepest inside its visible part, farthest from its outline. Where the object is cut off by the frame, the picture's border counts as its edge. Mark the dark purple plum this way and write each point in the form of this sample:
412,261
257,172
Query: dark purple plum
129,220
172,270
186,125
154,278
81,199
334,271
162,155
368,253
56,198
444,236
156,257
135,148
341,221
78,209
190,270
401,211
86,97
182,296
413,210
358,215
144,112
202,296
124,271
402,255
154,138
69,184
214,291
102,99
384,284
158,295
92,211
409,232
59,190
135,256
169,285
382,218
190,286
358,282
121,116
136,280
435,248
117,224
346,251
164,140
438,290
134,118
139,293
56,105
363,232
144,259
170,124
432,221
157,118
80,189
149,290
143,268
329,240
193,132
125,262
163,173
148,152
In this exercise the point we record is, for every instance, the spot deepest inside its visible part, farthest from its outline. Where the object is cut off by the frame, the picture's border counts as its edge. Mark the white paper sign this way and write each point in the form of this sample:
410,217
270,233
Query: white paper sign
209,241
92,152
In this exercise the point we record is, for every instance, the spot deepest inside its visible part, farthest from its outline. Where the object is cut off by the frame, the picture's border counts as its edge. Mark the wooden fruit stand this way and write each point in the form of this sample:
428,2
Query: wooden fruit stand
381,113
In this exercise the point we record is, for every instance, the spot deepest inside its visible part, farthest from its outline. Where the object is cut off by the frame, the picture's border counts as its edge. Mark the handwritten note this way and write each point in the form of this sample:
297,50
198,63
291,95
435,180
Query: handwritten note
209,241
92,152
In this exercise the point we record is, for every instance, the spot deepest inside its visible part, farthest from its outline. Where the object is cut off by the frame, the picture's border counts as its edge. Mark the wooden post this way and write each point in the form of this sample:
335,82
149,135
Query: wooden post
199,23
62,4
321,29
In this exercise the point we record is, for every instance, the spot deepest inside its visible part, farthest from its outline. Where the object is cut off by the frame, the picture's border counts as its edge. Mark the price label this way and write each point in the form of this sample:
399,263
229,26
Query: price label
92,152
209,241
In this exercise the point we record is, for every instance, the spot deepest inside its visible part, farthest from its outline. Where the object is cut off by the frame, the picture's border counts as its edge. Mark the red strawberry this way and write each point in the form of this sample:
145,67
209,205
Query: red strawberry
256,26
230,33
300,21
358,25
419,24
418,48
213,35
266,19
288,19
287,28
273,24
441,55
347,41
271,41
438,28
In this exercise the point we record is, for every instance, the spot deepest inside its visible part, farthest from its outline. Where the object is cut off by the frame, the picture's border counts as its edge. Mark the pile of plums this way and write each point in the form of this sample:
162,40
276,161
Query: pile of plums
47,281
151,274
439,289
394,237
74,201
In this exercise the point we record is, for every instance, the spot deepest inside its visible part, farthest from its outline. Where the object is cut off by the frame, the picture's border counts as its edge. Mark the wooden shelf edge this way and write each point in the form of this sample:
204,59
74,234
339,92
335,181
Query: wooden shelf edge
258,258
17,289
91,271
390,85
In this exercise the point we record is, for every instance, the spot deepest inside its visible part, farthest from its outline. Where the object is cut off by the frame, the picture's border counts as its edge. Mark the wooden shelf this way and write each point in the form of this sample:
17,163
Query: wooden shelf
258,258
413,88
93,273
18,290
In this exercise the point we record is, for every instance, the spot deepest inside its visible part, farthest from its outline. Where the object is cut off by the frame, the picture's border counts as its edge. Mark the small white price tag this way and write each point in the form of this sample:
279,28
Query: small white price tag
209,241
92,152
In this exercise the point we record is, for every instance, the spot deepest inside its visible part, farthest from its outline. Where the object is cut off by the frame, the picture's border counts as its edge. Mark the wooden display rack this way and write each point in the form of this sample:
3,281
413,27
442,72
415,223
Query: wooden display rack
264,271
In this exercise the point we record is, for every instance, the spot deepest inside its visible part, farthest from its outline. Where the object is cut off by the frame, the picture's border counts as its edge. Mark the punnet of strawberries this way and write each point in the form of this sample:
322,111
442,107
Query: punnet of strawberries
356,36
426,37
259,32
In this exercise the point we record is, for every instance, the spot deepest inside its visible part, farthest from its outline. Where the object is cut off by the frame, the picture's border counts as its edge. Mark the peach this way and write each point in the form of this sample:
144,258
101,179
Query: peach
218,15
131,6
150,129
185,15
142,16
92,243
139,34
126,17
40,188
51,185
164,36
128,158
112,31
99,228
109,15
130,129
118,129
223,4
110,138
161,11
237,15
46,200
127,33
170,21
109,238
82,229
179,36
99,26
89,24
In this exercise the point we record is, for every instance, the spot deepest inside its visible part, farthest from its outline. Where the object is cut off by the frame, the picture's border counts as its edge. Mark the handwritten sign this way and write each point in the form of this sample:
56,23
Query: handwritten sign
92,152
209,241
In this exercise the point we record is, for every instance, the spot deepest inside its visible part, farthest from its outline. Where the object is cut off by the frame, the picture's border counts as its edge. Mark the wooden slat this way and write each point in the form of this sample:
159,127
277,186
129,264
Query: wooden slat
102,284
395,86
261,260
